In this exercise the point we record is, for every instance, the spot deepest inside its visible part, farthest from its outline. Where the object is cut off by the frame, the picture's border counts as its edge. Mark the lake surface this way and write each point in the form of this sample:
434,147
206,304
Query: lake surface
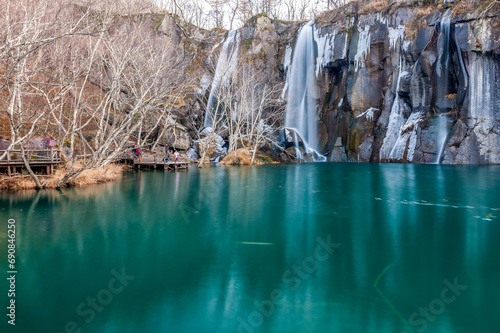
325,247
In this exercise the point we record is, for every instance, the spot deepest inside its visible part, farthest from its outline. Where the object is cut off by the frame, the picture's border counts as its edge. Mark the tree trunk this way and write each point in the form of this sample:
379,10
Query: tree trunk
39,186
202,158
254,152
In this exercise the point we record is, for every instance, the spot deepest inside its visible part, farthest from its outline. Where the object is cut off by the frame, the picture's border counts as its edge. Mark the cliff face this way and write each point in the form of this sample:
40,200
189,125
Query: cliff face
412,89
406,84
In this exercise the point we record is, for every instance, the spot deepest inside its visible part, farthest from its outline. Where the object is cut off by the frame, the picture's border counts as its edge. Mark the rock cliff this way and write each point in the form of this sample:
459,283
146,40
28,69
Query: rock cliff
398,82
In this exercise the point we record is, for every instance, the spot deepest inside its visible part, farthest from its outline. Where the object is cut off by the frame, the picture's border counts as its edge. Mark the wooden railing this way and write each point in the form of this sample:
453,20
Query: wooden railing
37,156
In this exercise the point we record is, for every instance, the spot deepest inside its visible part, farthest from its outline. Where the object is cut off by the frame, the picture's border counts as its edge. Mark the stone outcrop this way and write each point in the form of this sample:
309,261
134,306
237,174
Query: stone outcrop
176,137
212,143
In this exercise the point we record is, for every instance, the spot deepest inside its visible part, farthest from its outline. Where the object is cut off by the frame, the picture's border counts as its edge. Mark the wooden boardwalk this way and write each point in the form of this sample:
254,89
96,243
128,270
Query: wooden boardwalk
42,160
167,166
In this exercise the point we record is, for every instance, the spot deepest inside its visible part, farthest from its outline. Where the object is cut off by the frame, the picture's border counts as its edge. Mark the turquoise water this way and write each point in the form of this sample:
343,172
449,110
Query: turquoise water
326,247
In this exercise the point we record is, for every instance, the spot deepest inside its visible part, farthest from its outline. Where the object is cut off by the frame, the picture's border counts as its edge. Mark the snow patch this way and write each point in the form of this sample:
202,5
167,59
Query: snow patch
369,114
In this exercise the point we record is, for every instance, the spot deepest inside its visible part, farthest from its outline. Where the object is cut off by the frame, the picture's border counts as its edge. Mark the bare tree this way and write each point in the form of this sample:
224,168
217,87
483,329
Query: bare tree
227,13
234,9
218,11
95,78
248,108
249,8
259,109
245,10
28,28
188,15
289,9
139,75
302,10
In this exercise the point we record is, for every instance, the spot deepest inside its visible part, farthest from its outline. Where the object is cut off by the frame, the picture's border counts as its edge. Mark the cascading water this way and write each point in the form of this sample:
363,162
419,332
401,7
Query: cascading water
443,60
443,88
301,111
226,63
442,134
396,120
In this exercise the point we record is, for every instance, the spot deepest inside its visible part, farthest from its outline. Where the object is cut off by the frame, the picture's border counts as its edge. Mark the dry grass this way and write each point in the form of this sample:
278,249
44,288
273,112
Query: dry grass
110,172
472,6
418,21
422,12
375,6
244,157
411,28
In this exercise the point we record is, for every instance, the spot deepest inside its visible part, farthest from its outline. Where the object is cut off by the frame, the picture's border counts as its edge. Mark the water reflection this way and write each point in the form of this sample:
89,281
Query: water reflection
209,247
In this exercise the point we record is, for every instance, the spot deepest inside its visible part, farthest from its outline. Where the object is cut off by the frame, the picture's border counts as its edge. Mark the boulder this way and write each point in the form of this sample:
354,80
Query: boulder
458,133
192,155
365,150
177,137
214,145
322,135
338,153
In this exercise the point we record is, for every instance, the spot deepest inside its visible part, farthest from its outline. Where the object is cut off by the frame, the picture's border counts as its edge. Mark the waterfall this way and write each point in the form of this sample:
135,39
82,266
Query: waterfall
396,120
442,65
443,88
226,63
442,135
301,110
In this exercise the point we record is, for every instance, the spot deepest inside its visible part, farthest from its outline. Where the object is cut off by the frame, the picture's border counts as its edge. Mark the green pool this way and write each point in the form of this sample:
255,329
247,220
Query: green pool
323,247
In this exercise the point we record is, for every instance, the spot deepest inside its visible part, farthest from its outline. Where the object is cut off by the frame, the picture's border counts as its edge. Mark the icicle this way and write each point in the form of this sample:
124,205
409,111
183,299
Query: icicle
396,34
363,47
325,49
287,60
